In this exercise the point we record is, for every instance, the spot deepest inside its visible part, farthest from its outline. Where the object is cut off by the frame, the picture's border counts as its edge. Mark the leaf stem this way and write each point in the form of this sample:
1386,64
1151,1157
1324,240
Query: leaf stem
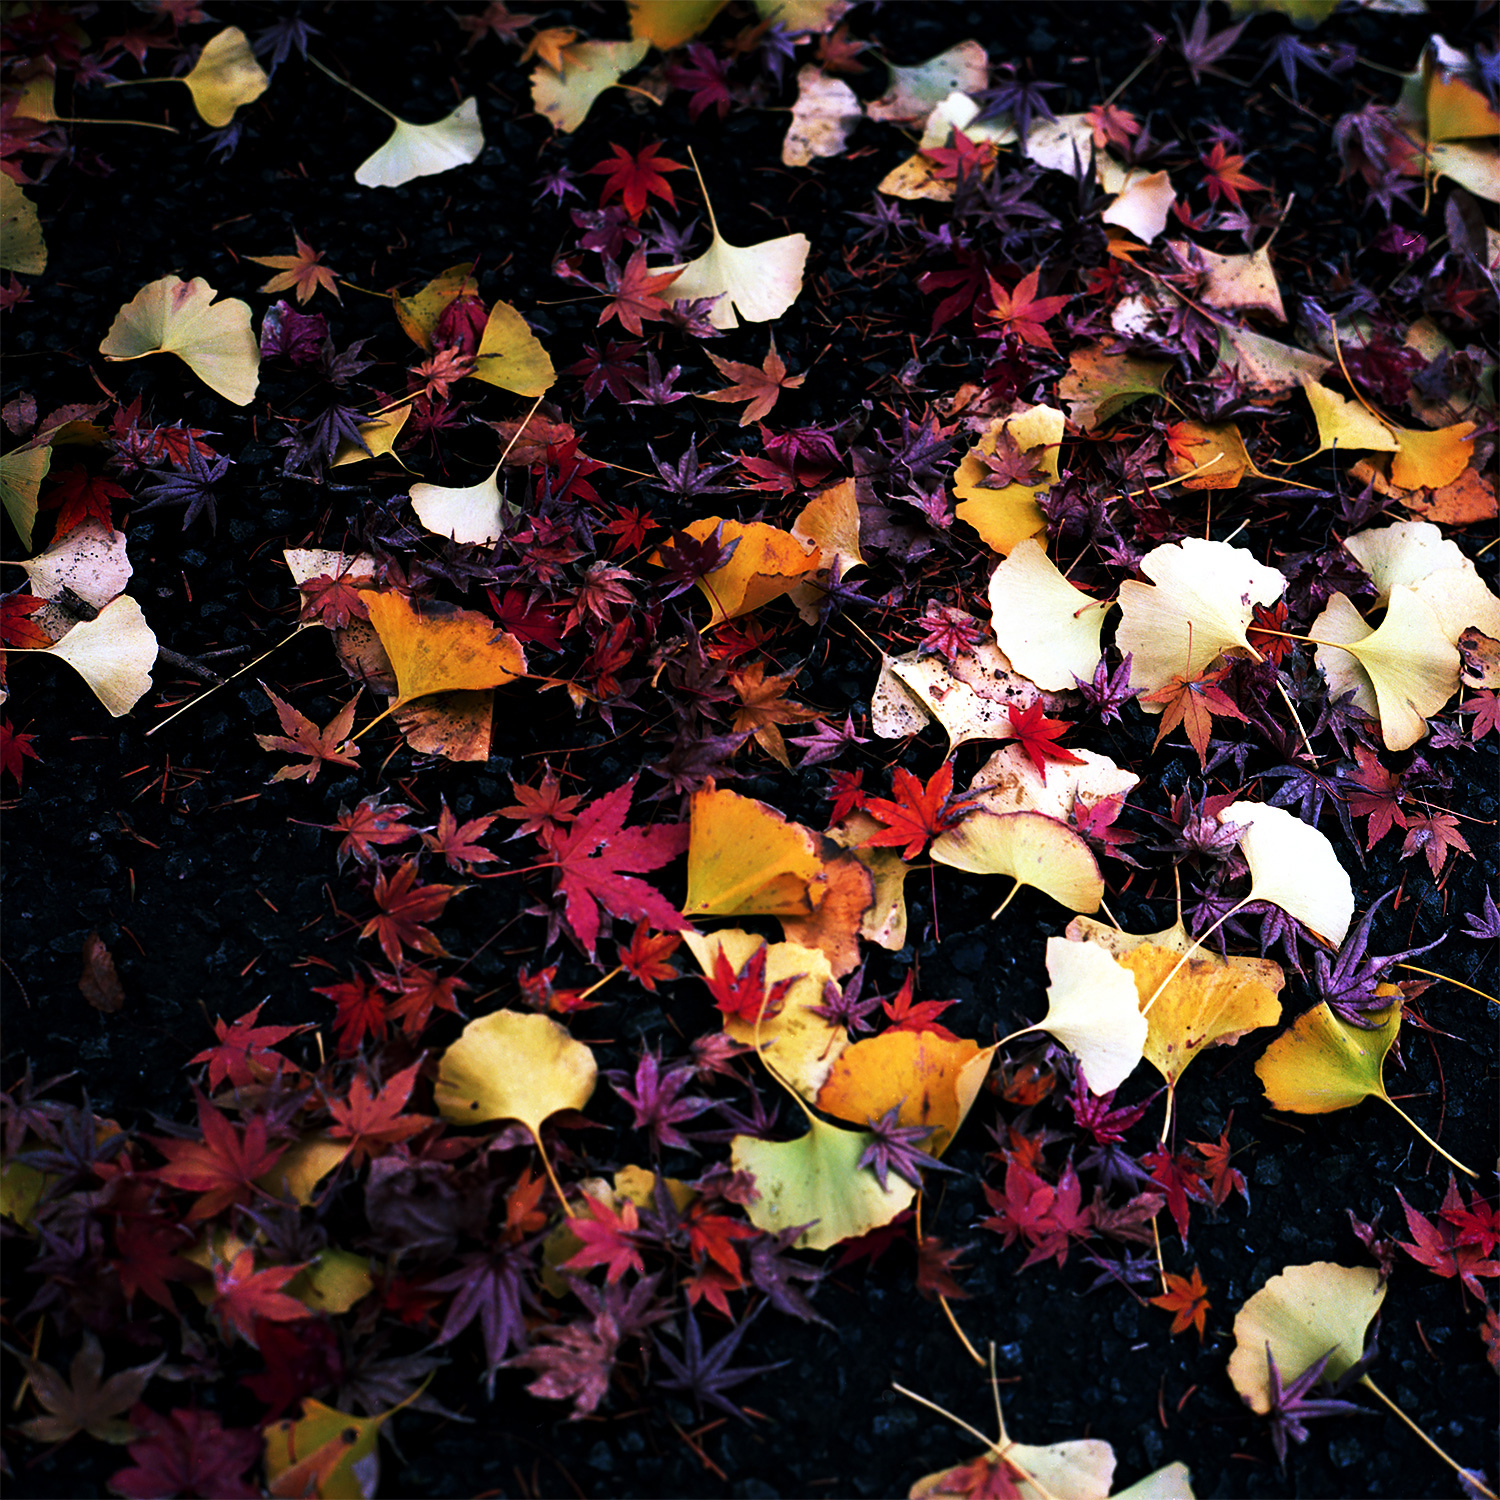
713,223
1446,1155
1452,1463
193,703
536,1135
963,1338
1197,943
358,93
1011,897
1483,995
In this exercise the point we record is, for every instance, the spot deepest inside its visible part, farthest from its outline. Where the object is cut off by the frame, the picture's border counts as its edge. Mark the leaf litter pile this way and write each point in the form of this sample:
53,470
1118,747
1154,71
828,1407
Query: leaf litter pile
771,743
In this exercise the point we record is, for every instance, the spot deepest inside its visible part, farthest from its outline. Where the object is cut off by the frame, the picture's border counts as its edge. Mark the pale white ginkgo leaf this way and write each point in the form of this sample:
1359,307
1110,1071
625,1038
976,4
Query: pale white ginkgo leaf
424,150
113,653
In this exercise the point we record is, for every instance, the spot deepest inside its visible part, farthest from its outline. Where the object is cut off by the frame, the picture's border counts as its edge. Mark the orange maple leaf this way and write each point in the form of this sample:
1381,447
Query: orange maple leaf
1187,1299
1193,702
301,271
917,814
1222,177
1021,312
761,386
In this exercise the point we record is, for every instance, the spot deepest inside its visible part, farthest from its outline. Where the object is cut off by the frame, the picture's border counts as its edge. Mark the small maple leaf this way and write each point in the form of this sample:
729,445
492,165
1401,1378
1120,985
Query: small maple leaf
494,18
636,294
1222,1178
148,1257
1375,794
1223,177
548,46
964,158
302,271
764,705
422,992
1112,126
361,1013
372,823
897,1148
540,809
333,601
905,1014
84,1402
1435,836
1193,702
936,1263
243,1055
1008,465
645,957
742,995
242,1294
371,1120
79,496
917,813
16,626
330,746
455,841
223,1167
1021,312
1459,1244
634,179
15,748
760,386
403,909
949,631
608,1240
1186,1298
1035,733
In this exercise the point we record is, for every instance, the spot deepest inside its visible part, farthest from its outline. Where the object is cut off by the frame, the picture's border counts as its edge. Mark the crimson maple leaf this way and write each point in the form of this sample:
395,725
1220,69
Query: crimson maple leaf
1048,1218
223,1166
597,859
455,840
79,496
645,957
1375,794
1021,312
242,1294
330,746
1035,732
936,1263
1452,1247
917,813
16,627
187,1453
14,750
539,809
1222,177
634,179
1434,835
964,158
1187,1299
361,1013
636,294
743,994
148,1248
607,1240
1179,1176
422,992
371,1120
404,909
1193,702
243,1054
301,271
371,823
333,601
921,1016
712,1237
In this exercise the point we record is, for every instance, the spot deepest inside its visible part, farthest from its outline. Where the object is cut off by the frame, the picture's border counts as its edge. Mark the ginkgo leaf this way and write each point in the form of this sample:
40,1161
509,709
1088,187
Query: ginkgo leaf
1293,866
1094,1011
767,563
474,515
1265,366
414,151
325,1452
225,76
332,1282
1009,781
825,111
1005,517
566,97
420,313
745,858
511,356
1323,1064
513,1065
443,652
379,436
21,475
1201,606
669,23
1032,849
835,928
1102,382
1208,457
829,522
22,247
213,339
114,653
1456,110
91,560
1234,283
972,698
1296,1318
1345,424
913,92
928,1078
1142,203
1417,554
1409,663
816,1181
1430,460
1046,627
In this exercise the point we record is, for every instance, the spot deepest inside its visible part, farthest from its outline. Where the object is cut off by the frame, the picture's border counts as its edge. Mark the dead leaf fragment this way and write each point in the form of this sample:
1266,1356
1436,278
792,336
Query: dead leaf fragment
825,111
99,983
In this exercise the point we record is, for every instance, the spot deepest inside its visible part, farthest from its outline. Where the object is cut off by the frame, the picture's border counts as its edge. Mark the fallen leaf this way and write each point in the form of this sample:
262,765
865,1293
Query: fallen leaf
1009,781
113,653
1233,283
378,435
85,1401
1102,382
825,111
1093,1009
913,92
325,1452
747,859
1032,849
90,561
759,385
1323,1064
22,246
1007,516
1216,453
225,77
1345,424
767,563
1430,460
442,651
302,271
21,475
99,983
1293,866
511,356
1047,628
414,151
474,514
974,698
566,95
835,928
669,23
1142,204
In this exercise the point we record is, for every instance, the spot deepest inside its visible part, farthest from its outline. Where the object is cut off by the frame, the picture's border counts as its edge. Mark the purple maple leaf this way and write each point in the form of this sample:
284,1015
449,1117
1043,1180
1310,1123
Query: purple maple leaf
492,1286
1484,923
658,1101
1349,983
827,742
1291,1406
894,1148
706,1374
1109,692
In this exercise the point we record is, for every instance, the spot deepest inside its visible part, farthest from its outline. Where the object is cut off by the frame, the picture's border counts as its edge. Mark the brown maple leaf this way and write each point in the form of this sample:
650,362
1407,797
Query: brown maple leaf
330,746
301,271
334,601
1434,835
548,45
1008,465
84,1402
764,705
761,386
1193,702
636,294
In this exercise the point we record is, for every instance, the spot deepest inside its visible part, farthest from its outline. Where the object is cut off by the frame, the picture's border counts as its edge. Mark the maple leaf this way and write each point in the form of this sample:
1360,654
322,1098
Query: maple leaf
1178,1175
608,1240
540,809
634,179
1193,702
301,271
964,159
242,1294
16,627
705,77
332,601
79,496
1222,1178
494,18
1112,126
658,1101
302,1359
372,823
1459,1244
243,1054
361,1013
574,1362
223,1166
895,1148
455,841
331,746
761,386
147,1248
187,1452
1291,1406
645,957
904,1015
15,748
1048,1218
84,1402
404,908
1223,177
493,1286
846,789
1375,794
636,294
1186,1299
422,992
1435,835
764,706
916,814
706,1374
742,995
1035,732
1200,50
597,859
548,45
371,1120
1021,312
936,1263
1485,707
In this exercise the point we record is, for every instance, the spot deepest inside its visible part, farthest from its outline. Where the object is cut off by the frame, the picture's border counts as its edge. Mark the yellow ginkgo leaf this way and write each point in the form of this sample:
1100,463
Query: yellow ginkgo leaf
22,247
414,151
513,1065
758,281
225,76
301,1167
1265,366
443,652
511,356
1047,627
21,475
379,436
747,859
1429,460
474,515
325,1452
1234,283
1346,425
1293,866
669,23
565,97
931,1080
971,697
1456,110
1032,849
1209,457
1005,517
332,1282
1299,1316
114,653
766,563
1473,165
1402,552
1201,606
829,522
913,92
419,314
213,339
1093,1010
1143,201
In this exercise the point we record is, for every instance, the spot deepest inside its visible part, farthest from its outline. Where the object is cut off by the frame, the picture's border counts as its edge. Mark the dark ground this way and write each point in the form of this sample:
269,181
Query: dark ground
153,842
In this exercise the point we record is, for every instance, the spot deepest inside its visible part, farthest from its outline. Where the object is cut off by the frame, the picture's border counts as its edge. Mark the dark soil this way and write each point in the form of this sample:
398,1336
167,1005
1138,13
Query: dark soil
216,891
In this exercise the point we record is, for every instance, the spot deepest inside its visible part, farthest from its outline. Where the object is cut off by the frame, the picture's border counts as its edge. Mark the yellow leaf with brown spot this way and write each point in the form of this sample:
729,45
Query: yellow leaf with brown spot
837,925
747,859
441,652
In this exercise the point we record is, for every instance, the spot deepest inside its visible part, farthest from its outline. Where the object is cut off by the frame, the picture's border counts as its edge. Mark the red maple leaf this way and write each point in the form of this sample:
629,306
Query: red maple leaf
332,601
597,860
645,957
223,1166
371,1120
1222,1178
79,496
607,1240
242,1294
422,992
634,179
847,792
331,746
1036,732
1485,707
243,1054
1179,1176
1375,794
14,750
302,1358
404,910
964,158
1048,1218
1021,312
916,814
16,628
636,294
148,1258
361,1013
1452,1247
712,1237
936,1263
1222,177
743,994
1477,1222
187,1453
540,809
371,823
455,840
1434,835
1186,1299
921,1016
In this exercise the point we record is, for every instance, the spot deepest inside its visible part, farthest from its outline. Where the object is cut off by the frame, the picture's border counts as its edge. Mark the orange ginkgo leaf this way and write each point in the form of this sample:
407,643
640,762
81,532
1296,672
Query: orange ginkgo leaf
302,272
760,385
455,650
765,564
